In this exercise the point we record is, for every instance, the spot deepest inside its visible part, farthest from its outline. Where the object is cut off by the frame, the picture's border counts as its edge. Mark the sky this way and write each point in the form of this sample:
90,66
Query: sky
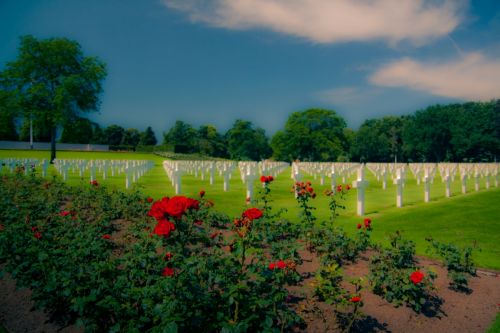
215,61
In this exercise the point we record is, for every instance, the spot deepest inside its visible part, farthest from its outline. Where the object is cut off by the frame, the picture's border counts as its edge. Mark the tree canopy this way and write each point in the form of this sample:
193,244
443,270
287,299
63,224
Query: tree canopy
244,142
311,135
52,79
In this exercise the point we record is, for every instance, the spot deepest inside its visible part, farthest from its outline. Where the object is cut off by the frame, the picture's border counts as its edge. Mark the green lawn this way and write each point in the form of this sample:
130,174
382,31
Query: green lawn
473,218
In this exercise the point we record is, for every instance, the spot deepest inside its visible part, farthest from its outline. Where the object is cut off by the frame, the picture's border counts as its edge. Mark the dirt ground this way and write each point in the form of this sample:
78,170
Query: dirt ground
458,312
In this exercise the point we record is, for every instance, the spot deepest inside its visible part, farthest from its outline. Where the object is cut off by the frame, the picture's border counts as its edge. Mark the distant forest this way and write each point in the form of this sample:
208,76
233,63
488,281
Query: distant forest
468,132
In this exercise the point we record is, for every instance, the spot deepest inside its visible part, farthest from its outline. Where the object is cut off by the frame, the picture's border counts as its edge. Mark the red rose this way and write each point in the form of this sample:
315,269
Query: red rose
416,277
167,271
348,187
252,213
355,299
272,266
94,183
37,235
158,208
64,213
263,179
163,228
310,190
177,206
367,222
270,178
202,193
359,226
281,264
339,188
215,234
106,236
149,199
168,256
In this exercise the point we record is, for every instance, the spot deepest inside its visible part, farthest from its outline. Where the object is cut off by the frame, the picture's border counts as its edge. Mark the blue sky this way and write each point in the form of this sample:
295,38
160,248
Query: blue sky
214,61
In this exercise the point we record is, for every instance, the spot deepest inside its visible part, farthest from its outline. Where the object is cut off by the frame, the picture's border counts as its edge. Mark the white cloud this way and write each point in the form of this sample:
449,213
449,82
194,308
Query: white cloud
472,77
330,21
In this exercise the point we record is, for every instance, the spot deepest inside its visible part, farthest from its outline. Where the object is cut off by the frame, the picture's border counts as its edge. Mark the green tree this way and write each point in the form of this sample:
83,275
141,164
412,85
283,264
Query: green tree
183,137
379,140
311,135
113,135
148,137
7,118
98,136
77,131
211,142
41,129
131,137
245,142
52,79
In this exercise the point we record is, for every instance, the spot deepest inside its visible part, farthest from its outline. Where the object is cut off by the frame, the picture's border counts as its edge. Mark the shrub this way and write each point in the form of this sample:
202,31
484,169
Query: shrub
458,262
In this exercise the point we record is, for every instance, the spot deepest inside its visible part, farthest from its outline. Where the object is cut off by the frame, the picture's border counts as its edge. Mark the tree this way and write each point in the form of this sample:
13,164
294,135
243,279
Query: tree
378,140
246,142
211,142
148,137
40,126
77,131
7,118
183,137
131,137
98,136
52,79
113,135
311,135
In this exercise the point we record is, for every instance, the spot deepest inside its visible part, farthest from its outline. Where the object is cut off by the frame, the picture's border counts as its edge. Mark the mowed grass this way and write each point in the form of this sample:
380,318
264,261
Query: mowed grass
471,219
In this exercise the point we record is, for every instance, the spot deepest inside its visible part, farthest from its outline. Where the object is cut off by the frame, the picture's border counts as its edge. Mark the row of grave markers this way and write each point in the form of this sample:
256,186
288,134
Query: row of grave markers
423,172
249,172
133,169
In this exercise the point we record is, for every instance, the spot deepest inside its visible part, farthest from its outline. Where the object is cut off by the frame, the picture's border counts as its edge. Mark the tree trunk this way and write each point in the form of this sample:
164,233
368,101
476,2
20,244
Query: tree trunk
52,144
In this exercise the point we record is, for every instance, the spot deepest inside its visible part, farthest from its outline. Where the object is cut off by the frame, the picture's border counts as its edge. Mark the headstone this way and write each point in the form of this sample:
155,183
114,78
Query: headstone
399,182
427,184
360,184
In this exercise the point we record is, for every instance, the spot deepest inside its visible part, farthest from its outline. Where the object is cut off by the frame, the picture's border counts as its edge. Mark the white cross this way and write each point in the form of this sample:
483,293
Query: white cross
360,184
399,182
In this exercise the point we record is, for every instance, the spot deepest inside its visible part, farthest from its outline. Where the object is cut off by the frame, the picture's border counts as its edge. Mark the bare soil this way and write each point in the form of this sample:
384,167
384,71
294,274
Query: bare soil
457,312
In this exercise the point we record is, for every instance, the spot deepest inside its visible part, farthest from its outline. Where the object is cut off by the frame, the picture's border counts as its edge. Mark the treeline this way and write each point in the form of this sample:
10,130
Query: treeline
440,133
79,130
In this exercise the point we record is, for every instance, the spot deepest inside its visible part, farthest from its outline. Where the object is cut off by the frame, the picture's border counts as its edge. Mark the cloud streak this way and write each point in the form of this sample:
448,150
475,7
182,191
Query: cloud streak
471,77
331,21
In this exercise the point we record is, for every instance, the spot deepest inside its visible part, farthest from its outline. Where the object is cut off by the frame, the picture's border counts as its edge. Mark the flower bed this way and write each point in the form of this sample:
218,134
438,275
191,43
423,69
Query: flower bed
111,261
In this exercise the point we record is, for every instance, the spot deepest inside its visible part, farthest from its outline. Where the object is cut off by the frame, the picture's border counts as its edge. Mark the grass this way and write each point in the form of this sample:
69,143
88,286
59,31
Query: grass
465,219
495,328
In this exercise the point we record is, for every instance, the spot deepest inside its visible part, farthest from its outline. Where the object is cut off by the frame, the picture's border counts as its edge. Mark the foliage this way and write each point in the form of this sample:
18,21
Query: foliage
131,137
7,118
52,80
379,140
458,262
79,130
395,276
244,142
455,132
182,137
334,203
148,138
311,135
